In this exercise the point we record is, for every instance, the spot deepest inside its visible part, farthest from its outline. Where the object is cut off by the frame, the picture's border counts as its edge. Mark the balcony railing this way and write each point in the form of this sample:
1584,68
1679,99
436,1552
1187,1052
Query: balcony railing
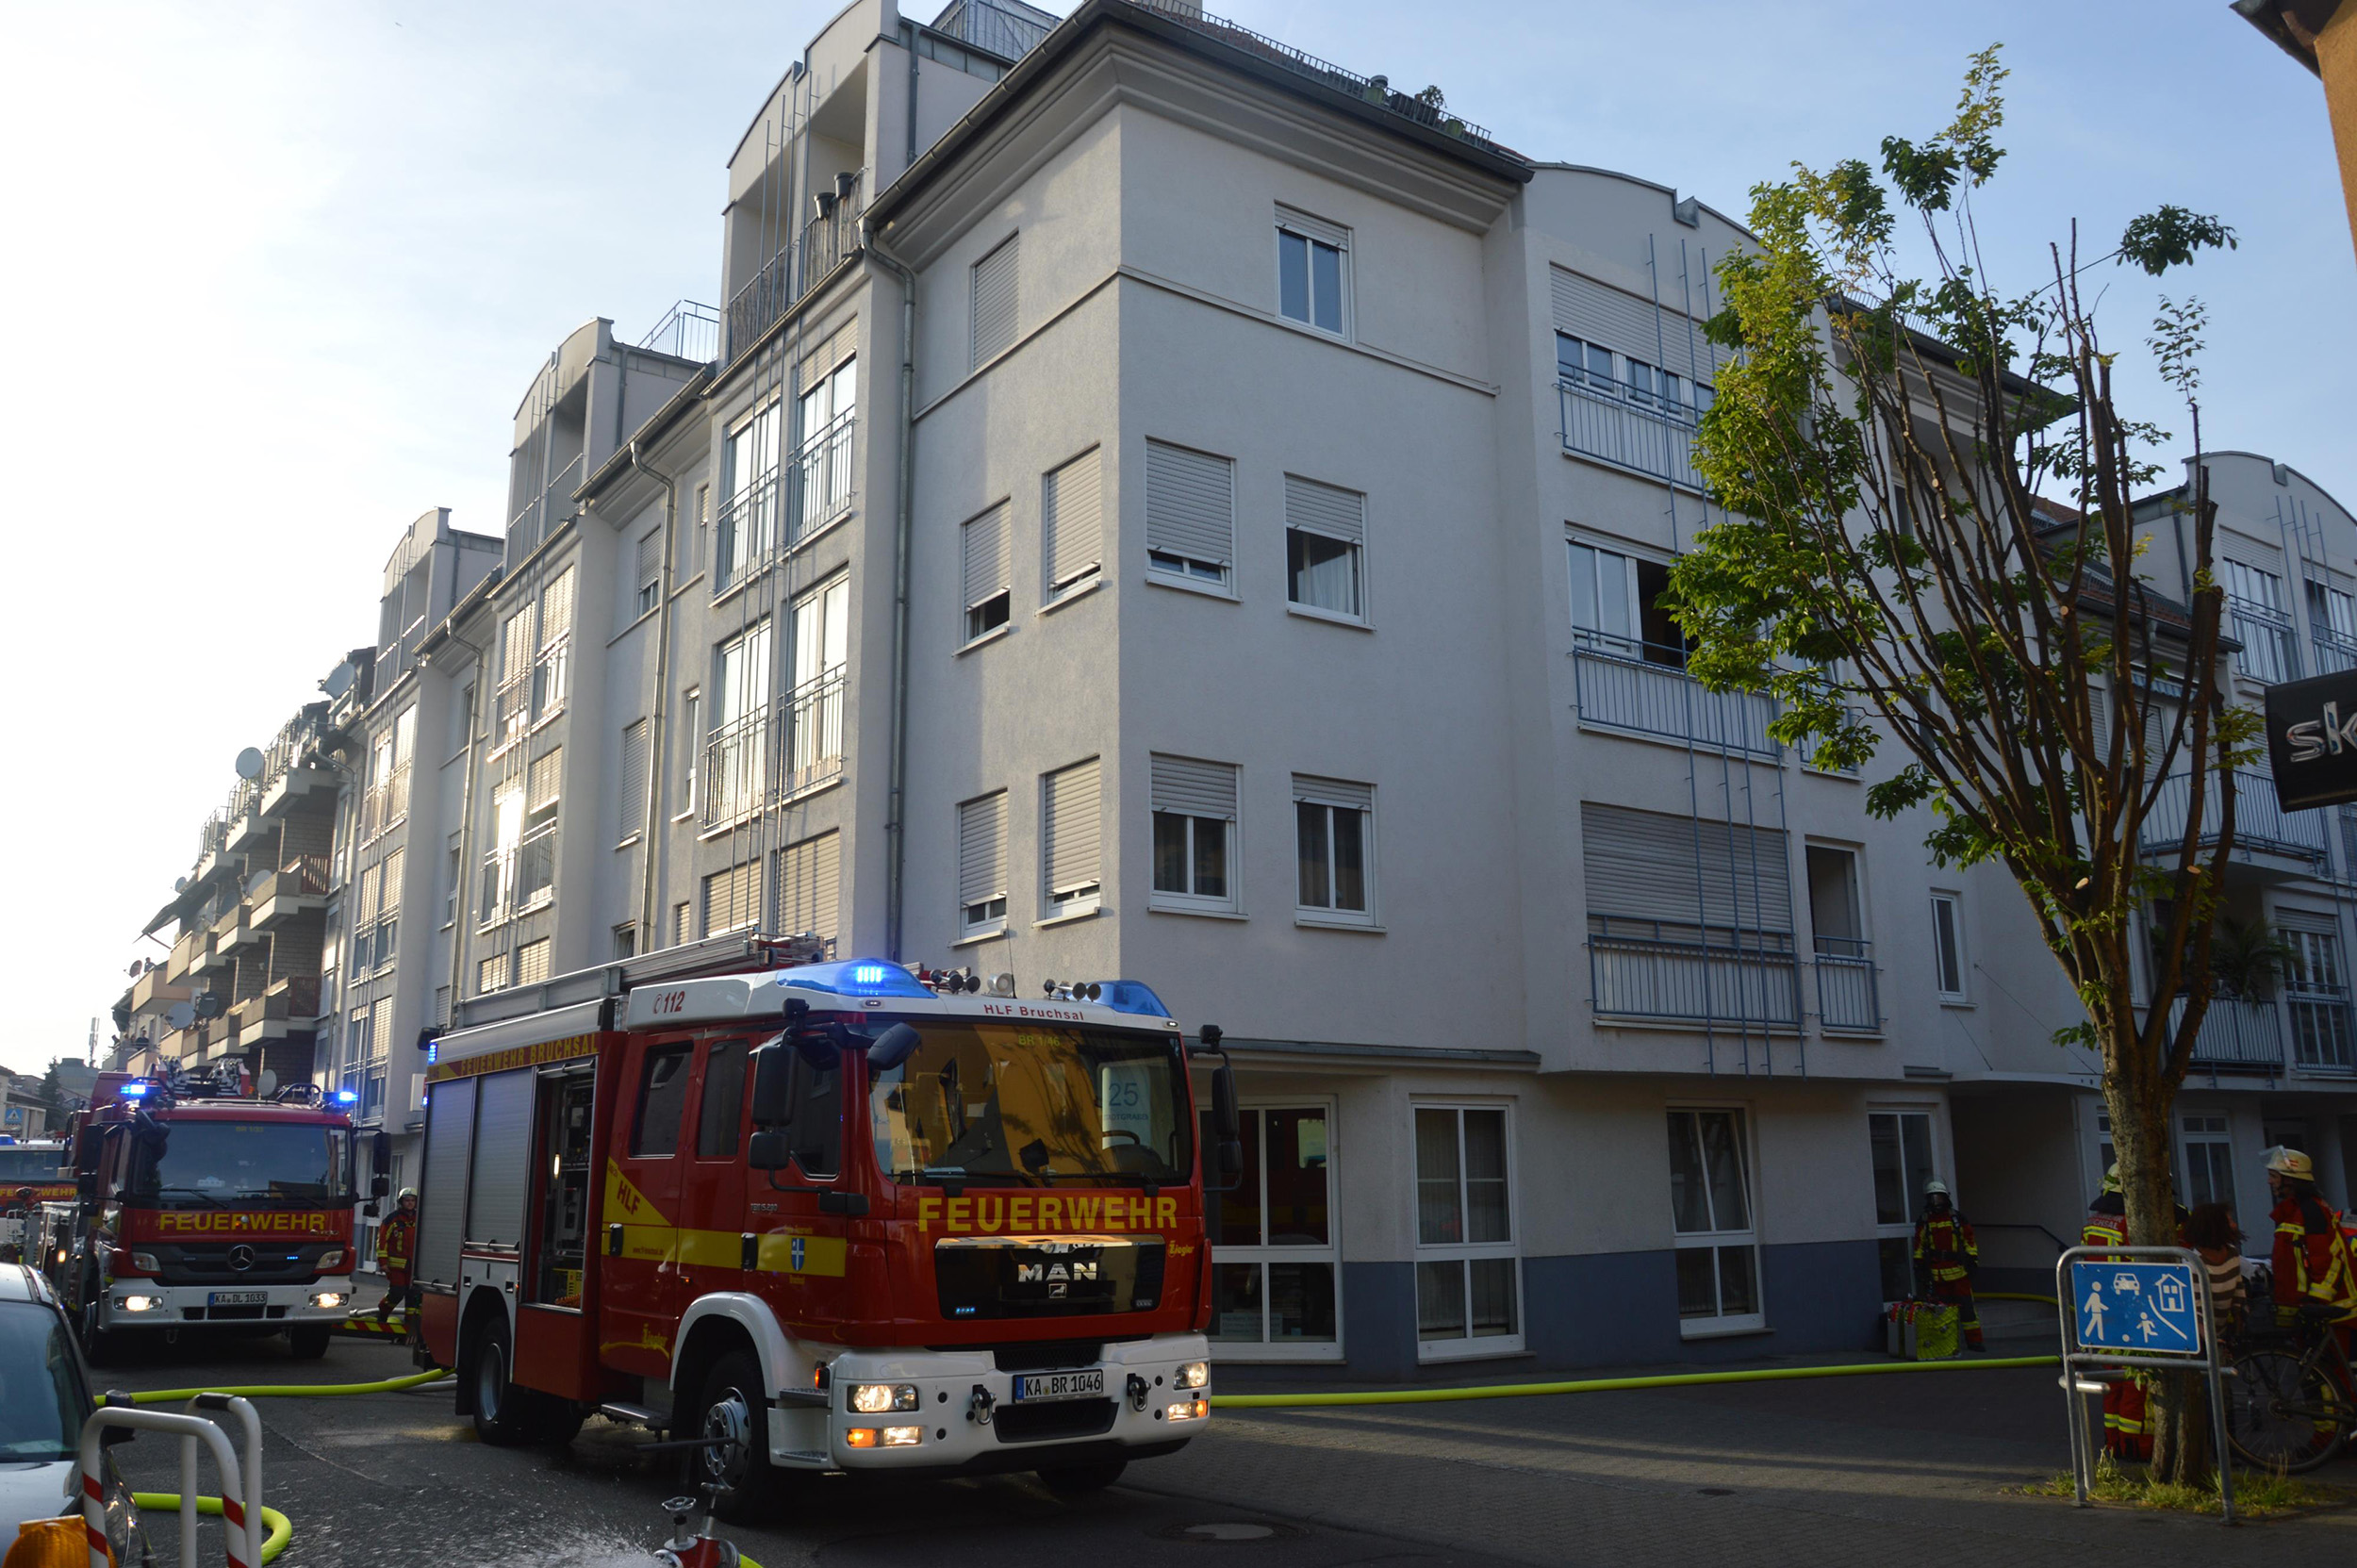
2332,652
785,505
1643,688
2269,646
511,709
826,243
814,727
2260,823
1650,969
535,868
687,331
2322,1038
736,768
1604,423
1847,995
2236,1036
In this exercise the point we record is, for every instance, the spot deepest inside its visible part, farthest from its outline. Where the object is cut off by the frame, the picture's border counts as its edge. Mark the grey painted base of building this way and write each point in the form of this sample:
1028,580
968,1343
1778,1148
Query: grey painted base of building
1599,1309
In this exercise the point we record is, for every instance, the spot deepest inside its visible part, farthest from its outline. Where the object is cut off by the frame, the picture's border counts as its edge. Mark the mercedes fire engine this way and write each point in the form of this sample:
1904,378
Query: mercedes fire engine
198,1207
31,1174
829,1217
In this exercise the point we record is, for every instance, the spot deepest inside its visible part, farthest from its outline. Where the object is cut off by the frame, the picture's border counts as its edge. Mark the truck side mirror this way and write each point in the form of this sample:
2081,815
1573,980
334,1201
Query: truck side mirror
380,1185
894,1046
381,1152
773,1093
86,1184
769,1150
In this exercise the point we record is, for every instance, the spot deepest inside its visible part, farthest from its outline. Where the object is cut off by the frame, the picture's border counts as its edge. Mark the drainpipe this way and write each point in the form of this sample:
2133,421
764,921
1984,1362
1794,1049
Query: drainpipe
656,772
466,830
895,827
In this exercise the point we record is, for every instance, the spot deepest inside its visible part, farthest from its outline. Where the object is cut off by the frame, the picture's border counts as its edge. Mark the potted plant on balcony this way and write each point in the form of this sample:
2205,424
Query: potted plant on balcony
2247,957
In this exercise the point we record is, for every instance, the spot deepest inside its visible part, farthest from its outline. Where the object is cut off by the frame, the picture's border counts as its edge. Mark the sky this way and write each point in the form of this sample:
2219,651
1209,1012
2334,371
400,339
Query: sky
326,246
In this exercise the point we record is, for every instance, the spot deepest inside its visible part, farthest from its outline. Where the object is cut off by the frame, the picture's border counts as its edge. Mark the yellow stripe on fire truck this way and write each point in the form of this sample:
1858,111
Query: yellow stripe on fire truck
649,1237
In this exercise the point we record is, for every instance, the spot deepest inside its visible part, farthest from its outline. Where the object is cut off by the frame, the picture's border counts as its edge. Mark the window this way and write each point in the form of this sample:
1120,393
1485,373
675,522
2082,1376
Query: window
1276,1279
1846,997
1617,606
749,478
1583,364
2209,1162
983,865
376,915
1194,826
692,540
995,281
1468,1294
454,875
2332,612
536,850
1332,829
1070,810
441,1008
551,668
1710,1206
531,963
1902,1143
2262,621
731,898
692,746
661,1101
633,793
683,923
2318,996
1190,513
822,651
649,573
1072,523
815,1130
2104,1154
626,940
735,776
1310,270
810,877
1324,534
820,473
1948,947
491,974
719,1120
462,719
514,696
989,569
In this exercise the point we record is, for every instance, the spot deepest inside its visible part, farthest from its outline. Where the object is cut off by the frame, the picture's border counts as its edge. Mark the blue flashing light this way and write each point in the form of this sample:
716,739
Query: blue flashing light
857,977
345,1097
433,1052
135,1091
1131,996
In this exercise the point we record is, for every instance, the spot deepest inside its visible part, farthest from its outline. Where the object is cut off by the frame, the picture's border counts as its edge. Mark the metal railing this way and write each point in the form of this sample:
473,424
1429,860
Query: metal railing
819,478
1008,31
1643,688
511,709
2332,652
748,533
2269,645
1608,426
535,868
1652,970
814,727
2322,1038
736,779
530,525
551,675
687,331
1847,996
825,243
785,505
2260,823
2235,1035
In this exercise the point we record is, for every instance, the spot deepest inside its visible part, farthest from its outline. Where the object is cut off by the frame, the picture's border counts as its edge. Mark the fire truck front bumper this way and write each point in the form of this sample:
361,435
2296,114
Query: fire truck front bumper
956,1412
133,1303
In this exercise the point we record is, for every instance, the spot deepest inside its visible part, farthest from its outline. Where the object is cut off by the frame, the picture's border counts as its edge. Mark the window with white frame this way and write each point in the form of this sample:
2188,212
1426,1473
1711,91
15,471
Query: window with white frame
2209,1162
989,564
1194,834
1901,1142
1717,1236
1276,1281
1948,946
691,751
462,719
1072,524
454,873
1190,515
552,668
731,898
1617,606
997,291
531,962
1468,1274
1325,529
490,974
2262,621
822,652
2106,1155
632,814
649,574
626,940
821,471
1333,840
1071,809
1312,271
735,776
748,496
1601,373
983,865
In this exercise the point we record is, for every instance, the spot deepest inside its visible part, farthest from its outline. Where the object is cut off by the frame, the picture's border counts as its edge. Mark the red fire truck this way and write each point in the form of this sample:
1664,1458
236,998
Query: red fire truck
827,1216
200,1208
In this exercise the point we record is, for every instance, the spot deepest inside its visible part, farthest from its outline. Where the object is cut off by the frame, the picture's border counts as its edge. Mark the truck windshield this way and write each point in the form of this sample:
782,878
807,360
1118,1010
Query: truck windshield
41,1398
224,1163
29,1165
1033,1104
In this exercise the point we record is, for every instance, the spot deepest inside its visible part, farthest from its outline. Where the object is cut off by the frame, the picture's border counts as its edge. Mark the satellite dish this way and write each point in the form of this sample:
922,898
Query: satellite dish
180,1014
250,763
338,680
135,971
266,1085
179,884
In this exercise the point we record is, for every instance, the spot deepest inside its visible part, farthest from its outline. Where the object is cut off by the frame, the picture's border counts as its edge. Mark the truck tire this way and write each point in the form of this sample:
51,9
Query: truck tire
503,1411
556,1421
1079,1480
309,1342
734,1403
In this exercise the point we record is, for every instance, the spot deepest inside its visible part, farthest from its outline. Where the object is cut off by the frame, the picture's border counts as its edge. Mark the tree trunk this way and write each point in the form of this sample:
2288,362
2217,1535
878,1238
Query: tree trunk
2176,1415
2140,1098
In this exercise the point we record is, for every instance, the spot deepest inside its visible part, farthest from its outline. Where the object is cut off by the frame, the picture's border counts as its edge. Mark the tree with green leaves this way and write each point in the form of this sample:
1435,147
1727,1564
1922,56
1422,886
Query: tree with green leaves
1888,446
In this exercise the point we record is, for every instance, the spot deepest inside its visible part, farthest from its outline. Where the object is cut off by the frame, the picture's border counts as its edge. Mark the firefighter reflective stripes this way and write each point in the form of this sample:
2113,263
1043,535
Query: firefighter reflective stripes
648,1236
2312,1261
1944,1244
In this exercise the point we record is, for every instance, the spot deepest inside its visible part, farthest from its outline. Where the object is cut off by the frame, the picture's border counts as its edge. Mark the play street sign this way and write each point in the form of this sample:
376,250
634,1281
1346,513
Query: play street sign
2150,1309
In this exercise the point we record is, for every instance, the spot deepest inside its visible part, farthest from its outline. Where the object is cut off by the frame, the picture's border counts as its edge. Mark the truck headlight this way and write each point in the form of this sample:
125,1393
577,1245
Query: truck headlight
327,1298
1194,1374
1188,1410
879,1398
903,1437
139,1303
331,1261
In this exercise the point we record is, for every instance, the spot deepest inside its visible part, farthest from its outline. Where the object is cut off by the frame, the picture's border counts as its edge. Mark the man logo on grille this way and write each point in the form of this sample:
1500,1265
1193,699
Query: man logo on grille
241,1256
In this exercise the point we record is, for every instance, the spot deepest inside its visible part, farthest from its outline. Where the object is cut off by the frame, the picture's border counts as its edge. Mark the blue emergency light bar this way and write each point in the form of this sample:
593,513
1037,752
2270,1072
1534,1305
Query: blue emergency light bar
135,1091
857,977
345,1097
1130,996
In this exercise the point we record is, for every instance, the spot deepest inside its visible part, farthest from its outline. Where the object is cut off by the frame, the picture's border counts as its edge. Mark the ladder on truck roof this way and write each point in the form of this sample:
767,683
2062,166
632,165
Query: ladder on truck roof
735,953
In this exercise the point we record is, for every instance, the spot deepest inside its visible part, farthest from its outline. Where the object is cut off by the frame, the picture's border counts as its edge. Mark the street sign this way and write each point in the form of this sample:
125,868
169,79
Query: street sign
2144,1307
2311,739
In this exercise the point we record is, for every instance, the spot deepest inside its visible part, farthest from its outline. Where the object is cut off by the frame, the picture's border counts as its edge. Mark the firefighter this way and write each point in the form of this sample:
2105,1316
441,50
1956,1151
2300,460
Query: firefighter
1947,1257
2313,1264
396,1249
2125,1436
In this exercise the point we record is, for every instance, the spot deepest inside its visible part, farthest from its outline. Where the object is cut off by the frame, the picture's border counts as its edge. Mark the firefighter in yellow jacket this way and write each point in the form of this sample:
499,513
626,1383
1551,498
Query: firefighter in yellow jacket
1945,1259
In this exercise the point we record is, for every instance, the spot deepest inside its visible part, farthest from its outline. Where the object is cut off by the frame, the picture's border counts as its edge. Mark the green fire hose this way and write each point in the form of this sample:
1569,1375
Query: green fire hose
281,1527
283,1391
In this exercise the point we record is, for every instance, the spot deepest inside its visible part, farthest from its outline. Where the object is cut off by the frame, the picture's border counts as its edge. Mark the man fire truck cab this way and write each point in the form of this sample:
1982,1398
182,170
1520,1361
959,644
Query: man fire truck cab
31,1174
197,1207
829,1217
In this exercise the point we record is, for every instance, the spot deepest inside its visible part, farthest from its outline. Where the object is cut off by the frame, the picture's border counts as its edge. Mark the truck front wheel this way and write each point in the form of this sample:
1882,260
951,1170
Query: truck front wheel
1075,1481
309,1343
736,1406
502,1410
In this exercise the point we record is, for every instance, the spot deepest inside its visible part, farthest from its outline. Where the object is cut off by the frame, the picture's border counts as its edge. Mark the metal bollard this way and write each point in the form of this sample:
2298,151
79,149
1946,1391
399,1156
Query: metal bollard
237,1483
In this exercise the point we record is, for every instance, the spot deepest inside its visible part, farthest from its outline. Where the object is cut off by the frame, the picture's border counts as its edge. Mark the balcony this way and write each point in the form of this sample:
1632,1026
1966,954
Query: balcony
2269,645
1641,688
826,243
191,942
248,829
234,928
293,890
814,729
2236,1036
735,780
2265,836
285,1008
1628,430
153,993
1647,969
687,331
2323,1041
1848,997
536,869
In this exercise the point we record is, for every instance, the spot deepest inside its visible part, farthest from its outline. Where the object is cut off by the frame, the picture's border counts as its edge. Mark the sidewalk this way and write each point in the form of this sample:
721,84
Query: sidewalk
1821,1473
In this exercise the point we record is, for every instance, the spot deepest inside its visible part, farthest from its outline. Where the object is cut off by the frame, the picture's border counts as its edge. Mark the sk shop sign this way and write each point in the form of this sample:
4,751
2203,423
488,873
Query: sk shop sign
2312,740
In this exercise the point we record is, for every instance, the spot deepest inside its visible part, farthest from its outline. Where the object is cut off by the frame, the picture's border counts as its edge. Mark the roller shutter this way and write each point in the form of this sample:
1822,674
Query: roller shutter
1195,788
1190,504
1070,826
995,278
442,1189
1072,521
989,557
1337,513
810,877
1650,866
502,1149
983,849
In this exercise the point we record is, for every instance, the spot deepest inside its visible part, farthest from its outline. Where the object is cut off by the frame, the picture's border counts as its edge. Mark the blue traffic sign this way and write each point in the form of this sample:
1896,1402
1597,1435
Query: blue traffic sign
2150,1309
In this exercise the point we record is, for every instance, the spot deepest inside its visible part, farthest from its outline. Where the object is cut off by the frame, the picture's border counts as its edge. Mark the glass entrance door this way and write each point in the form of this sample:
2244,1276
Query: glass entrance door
1276,1292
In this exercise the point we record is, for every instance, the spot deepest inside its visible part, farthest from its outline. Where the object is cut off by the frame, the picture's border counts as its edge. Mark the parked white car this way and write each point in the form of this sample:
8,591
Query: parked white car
44,1398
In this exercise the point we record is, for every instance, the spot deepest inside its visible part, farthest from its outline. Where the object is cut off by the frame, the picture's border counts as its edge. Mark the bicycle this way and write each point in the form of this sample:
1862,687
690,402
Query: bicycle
2292,1400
